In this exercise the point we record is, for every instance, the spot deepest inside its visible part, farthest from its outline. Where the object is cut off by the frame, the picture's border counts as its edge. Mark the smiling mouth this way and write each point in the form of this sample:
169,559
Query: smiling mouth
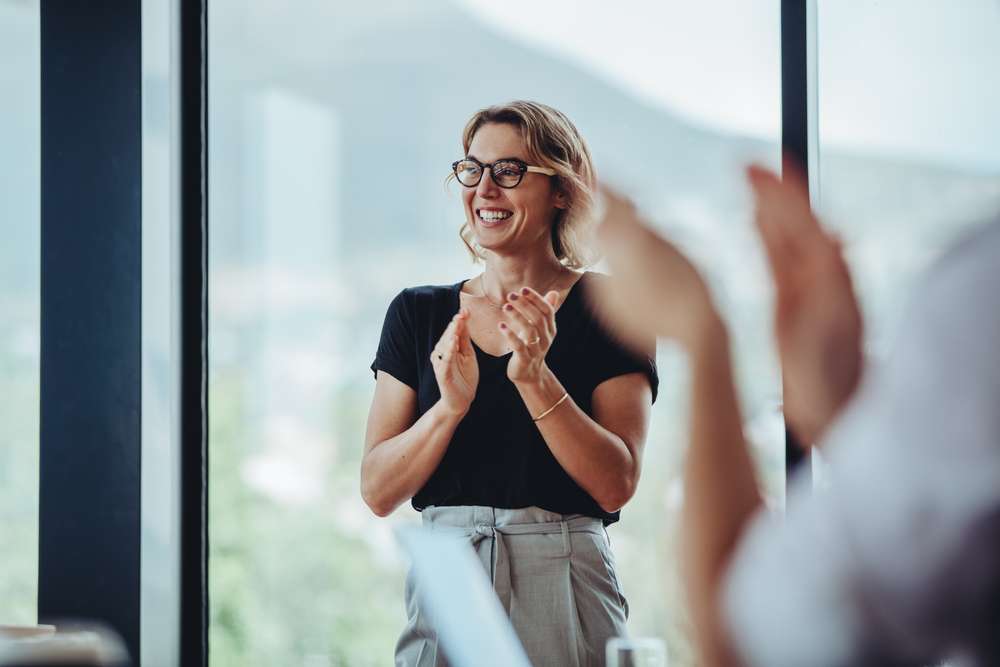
492,217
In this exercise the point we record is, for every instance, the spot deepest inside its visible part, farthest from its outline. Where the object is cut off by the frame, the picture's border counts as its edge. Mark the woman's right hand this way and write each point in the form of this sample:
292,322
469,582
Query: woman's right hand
455,365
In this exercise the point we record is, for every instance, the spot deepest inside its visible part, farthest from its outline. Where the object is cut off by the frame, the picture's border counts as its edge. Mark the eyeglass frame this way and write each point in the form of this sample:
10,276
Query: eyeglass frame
523,168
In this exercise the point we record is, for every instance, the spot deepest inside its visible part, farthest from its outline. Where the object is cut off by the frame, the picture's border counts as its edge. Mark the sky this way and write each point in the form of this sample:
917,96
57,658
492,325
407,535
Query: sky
912,76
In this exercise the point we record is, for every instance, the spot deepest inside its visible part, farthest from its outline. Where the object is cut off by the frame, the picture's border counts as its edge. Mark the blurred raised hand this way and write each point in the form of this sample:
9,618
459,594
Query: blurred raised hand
654,290
817,321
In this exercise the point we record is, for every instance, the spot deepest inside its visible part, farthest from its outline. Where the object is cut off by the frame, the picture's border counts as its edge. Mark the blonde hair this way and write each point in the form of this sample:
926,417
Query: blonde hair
552,141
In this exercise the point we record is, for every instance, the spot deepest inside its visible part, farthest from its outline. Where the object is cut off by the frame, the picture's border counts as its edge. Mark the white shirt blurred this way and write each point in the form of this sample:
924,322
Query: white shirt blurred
898,562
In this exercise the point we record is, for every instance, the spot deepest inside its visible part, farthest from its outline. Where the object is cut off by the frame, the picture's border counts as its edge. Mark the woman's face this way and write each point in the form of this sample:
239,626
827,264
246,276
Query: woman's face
509,220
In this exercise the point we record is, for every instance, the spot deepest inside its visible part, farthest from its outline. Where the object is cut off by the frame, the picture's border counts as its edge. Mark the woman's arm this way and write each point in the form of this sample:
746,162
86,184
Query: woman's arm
602,454
401,451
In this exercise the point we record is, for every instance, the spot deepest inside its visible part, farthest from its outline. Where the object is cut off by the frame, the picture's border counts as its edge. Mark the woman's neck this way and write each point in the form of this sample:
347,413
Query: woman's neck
504,275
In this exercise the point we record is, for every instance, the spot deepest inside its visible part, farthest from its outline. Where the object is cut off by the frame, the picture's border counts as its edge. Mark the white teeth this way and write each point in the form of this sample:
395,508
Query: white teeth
491,216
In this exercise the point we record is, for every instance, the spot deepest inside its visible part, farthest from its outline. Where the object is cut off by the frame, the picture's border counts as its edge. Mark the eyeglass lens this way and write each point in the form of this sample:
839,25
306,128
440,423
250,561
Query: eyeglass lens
506,174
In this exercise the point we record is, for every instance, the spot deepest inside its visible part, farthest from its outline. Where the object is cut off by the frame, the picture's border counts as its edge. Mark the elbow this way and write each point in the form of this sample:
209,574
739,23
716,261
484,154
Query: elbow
381,511
377,503
615,498
378,507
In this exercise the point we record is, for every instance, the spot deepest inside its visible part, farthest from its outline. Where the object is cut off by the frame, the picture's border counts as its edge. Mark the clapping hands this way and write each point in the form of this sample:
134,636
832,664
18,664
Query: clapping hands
530,333
455,365
817,321
656,291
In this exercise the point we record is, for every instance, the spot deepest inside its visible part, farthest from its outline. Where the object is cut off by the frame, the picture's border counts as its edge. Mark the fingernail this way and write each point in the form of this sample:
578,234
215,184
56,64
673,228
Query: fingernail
512,296
508,307
503,326
524,291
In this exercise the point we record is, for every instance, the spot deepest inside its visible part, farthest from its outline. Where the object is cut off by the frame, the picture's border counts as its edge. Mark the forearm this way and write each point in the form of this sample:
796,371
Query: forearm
394,470
720,487
596,459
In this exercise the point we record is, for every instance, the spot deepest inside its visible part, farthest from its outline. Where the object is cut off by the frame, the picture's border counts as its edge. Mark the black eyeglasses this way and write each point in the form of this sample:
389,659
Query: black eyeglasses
506,172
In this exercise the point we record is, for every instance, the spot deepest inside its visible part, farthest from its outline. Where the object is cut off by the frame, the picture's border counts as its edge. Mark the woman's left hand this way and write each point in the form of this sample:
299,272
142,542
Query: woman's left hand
530,328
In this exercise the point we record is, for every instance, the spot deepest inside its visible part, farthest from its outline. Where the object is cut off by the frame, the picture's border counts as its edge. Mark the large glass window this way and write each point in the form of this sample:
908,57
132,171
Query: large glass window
909,138
332,129
19,303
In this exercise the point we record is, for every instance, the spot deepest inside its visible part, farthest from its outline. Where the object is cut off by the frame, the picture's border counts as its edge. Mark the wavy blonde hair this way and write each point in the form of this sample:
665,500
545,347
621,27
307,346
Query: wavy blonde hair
552,141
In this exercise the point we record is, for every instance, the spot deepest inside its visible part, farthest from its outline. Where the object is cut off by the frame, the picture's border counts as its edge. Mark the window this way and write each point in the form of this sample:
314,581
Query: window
19,302
312,235
908,137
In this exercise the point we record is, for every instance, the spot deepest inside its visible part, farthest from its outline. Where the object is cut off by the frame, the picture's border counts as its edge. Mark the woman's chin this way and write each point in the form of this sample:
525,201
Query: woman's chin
491,240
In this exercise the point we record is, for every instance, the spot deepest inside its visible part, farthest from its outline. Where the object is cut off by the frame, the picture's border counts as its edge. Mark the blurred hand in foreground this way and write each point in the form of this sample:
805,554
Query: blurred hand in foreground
654,290
817,320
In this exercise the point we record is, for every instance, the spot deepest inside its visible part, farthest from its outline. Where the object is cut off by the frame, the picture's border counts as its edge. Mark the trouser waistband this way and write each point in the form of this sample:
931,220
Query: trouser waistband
477,523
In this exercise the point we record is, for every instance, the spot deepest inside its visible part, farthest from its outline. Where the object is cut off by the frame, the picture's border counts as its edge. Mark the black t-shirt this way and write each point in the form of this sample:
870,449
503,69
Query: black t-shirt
497,457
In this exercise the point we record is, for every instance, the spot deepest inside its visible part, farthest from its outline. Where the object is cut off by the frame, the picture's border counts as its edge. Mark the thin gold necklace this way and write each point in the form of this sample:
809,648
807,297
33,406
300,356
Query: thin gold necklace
484,295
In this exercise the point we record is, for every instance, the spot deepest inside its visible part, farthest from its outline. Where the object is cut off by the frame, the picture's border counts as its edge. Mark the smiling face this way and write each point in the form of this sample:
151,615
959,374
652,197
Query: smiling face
509,220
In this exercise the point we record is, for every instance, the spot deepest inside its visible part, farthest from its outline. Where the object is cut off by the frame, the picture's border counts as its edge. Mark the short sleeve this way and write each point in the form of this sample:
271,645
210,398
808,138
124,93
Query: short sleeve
611,359
397,350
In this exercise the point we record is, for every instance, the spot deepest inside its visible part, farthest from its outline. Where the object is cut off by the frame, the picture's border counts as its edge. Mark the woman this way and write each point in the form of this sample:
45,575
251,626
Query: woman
503,409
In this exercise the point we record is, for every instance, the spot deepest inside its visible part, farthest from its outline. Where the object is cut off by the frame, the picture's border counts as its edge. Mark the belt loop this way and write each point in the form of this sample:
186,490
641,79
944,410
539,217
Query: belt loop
567,549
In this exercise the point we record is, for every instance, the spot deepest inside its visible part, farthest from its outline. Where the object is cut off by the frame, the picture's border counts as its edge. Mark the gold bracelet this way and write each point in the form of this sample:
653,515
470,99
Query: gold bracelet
554,406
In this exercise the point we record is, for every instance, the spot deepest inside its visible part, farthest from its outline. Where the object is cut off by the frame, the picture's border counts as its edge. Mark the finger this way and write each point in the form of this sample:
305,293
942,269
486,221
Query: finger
450,329
536,308
774,194
516,344
525,326
786,201
536,300
448,334
793,173
552,298
777,247
450,350
778,237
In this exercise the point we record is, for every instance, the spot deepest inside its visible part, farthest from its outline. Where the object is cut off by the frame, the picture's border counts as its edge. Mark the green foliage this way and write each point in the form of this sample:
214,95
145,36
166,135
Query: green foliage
292,585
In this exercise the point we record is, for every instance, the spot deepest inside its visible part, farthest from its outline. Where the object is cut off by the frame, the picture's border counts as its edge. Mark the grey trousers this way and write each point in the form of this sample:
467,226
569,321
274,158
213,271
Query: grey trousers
554,574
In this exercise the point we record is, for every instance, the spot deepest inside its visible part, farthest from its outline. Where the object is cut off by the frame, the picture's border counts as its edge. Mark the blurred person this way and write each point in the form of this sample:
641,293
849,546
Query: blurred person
503,409
898,562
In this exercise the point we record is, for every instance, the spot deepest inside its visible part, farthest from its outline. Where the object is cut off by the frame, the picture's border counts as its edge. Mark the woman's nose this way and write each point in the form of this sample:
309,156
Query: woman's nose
487,189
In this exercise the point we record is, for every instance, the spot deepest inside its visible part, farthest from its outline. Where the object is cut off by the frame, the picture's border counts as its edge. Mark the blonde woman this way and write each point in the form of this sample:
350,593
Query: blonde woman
503,409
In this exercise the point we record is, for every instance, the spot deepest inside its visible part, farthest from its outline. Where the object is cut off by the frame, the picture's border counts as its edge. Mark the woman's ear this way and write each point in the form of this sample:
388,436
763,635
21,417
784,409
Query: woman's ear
561,200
